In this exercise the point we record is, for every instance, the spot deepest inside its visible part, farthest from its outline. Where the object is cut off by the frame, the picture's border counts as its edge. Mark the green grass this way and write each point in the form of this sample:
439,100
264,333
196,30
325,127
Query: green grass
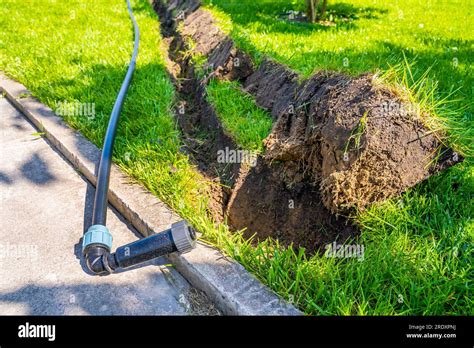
246,123
373,36
241,118
418,248
448,118
418,253
419,65
62,53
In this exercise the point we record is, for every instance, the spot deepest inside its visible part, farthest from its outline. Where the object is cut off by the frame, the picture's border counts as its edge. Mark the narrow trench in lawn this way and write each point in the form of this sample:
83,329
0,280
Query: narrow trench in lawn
336,144
252,197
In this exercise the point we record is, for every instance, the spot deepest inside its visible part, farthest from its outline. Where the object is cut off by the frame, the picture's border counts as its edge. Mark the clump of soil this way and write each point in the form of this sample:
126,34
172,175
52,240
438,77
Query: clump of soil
335,145
359,151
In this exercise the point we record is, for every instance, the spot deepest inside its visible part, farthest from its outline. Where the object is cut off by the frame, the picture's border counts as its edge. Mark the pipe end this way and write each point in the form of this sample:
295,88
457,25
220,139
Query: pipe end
184,236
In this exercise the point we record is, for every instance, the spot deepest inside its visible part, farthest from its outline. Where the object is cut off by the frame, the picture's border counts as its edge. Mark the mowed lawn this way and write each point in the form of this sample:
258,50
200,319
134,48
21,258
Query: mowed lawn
418,249
367,36
426,46
361,36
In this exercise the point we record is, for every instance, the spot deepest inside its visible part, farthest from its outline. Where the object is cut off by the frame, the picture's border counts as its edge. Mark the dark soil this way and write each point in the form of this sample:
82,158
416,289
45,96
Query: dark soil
261,197
204,137
336,145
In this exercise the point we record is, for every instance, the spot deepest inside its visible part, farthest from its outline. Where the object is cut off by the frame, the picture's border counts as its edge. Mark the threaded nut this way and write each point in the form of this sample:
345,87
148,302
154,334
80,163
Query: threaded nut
184,236
97,234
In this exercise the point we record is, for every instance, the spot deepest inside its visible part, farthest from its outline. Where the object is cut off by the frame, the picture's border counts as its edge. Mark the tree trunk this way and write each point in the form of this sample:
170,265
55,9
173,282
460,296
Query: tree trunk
323,9
312,7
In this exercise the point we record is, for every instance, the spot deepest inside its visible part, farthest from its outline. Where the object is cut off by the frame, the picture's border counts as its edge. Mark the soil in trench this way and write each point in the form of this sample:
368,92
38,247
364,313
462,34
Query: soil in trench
338,143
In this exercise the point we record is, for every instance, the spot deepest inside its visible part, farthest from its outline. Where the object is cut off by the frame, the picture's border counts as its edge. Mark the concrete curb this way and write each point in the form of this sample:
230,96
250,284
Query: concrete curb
233,290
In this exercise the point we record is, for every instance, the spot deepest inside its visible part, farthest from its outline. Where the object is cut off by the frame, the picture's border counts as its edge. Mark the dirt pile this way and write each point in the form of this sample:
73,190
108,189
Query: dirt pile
346,134
338,142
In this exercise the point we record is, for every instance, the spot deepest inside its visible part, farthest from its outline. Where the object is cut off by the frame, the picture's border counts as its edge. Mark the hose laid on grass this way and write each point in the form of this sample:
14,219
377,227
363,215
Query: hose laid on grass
97,241
99,216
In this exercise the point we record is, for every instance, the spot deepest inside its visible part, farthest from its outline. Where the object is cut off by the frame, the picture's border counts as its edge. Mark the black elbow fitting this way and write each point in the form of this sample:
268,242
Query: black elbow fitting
179,238
96,258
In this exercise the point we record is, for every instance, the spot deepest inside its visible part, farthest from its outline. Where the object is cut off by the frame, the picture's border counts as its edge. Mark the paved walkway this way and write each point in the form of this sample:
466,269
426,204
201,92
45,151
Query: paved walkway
45,206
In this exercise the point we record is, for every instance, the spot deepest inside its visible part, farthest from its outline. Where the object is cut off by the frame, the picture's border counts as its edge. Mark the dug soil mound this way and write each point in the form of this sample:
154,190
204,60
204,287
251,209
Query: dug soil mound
357,140
338,143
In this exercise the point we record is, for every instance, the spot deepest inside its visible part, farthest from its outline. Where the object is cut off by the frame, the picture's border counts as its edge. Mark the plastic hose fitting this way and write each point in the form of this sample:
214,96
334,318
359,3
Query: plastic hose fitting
180,238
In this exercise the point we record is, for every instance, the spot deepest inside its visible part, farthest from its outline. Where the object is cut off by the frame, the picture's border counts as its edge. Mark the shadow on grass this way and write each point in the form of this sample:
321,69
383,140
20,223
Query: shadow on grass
264,15
450,59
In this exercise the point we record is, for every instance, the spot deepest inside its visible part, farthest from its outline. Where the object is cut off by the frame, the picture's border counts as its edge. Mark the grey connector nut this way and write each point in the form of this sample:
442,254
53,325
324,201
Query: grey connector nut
184,236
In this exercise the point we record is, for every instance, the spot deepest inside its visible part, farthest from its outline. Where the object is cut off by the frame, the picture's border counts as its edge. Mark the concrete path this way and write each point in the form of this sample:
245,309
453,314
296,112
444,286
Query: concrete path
45,206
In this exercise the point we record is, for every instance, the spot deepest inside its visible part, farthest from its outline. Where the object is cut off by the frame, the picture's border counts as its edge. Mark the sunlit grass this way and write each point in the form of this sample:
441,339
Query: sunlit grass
443,115
373,36
418,248
409,59
246,123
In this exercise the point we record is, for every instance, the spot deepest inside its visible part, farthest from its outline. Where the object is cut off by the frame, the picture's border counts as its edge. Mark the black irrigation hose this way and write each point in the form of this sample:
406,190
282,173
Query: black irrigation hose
97,241
99,216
